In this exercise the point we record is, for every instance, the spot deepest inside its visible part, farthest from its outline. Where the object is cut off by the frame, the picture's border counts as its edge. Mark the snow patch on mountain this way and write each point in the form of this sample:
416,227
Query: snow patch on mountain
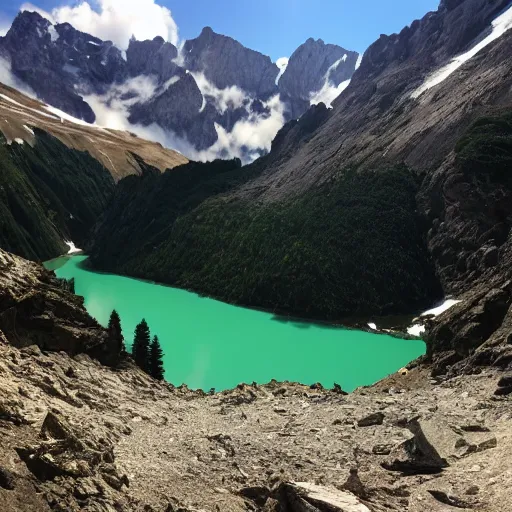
328,93
500,25
54,35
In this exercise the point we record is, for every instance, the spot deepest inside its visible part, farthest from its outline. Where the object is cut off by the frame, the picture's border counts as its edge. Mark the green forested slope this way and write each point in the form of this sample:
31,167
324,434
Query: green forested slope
353,246
48,193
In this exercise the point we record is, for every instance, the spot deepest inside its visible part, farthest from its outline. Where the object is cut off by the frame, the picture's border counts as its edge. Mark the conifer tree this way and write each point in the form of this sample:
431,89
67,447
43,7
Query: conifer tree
156,362
115,334
140,349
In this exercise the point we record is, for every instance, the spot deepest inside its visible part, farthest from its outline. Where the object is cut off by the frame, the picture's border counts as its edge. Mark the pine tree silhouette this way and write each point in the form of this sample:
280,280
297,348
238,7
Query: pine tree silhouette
115,334
140,349
156,368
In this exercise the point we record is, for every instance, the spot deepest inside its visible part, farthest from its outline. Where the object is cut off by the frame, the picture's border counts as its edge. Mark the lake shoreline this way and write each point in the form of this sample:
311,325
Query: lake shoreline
208,343
396,330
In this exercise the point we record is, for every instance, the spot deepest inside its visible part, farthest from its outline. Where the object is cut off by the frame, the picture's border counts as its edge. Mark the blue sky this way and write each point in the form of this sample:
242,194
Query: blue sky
277,27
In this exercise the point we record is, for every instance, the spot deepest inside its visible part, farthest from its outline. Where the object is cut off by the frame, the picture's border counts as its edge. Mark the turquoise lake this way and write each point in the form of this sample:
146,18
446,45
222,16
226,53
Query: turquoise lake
210,344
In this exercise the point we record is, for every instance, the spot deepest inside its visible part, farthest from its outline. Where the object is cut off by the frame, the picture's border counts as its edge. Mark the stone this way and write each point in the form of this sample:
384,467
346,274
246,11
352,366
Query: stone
382,449
505,381
376,418
6,479
307,497
337,389
428,451
474,427
448,499
354,485
503,391
473,490
272,505
257,494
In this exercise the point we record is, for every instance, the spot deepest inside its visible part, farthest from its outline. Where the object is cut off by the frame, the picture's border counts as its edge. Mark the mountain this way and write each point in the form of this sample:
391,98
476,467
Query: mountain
57,174
114,149
199,99
396,196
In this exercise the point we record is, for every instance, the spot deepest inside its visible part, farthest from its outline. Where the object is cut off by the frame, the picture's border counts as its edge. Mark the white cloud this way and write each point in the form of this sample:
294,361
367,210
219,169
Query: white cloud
7,77
245,141
329,91
282,64
112,111
253,134
499,26
224,99
116,20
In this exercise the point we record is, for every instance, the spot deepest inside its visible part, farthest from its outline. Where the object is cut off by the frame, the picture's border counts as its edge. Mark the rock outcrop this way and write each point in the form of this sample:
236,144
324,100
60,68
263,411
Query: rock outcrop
311,66
36,309
226,63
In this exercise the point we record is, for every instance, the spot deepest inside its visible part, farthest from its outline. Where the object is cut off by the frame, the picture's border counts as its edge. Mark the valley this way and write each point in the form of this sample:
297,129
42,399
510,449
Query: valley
247,210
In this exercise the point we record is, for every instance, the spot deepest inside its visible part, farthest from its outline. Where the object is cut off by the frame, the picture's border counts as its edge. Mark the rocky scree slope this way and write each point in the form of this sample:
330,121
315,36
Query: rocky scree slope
450,144
212,80
77,435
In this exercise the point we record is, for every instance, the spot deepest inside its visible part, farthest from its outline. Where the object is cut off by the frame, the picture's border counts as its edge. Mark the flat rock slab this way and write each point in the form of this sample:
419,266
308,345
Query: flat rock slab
306,497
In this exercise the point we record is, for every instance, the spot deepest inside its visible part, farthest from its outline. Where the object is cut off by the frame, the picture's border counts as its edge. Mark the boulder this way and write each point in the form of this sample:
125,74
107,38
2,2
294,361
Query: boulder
376,418
6,479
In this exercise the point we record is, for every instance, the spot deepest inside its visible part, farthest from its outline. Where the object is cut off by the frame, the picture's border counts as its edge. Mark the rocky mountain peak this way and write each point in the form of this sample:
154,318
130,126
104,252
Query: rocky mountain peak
225,62
155,57
314,63
227,82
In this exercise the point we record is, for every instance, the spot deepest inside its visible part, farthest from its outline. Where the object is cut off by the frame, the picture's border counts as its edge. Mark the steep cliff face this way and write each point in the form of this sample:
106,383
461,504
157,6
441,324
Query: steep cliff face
225,62
53,59
313,66
152,57
379,118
